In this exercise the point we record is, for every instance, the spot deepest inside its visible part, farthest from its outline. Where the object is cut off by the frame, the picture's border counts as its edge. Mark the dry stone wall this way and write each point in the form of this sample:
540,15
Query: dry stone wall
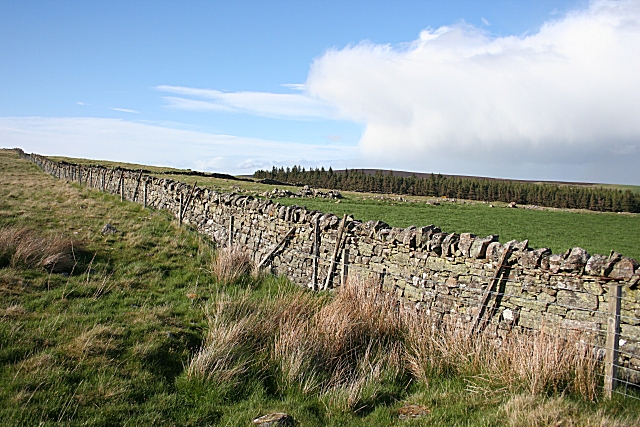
434,272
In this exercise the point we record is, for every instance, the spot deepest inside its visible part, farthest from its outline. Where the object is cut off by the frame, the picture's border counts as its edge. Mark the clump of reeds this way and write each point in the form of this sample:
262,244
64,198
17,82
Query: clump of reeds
231,263
347,347
22,247
536,361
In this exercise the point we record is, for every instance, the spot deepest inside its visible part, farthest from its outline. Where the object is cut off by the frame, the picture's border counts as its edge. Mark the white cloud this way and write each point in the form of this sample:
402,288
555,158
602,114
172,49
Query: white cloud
154,144
125,110
485,22
295,86
561,102
215,163
80,103
278,105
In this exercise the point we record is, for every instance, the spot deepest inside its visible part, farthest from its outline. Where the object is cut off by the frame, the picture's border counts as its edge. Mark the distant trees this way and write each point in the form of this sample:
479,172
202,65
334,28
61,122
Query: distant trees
551,195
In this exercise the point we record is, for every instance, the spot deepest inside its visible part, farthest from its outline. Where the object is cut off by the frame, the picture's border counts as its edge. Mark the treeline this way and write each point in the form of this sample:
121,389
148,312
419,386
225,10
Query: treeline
551,195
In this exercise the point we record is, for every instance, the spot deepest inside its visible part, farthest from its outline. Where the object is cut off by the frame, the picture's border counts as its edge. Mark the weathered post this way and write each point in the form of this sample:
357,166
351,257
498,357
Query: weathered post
345,266
122,186
336,251
230,230
613,339
144,197
180,211
316,253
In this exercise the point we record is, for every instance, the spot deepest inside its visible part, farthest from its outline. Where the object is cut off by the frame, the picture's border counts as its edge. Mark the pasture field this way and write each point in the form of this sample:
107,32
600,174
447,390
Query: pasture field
139,330
557,229
553,228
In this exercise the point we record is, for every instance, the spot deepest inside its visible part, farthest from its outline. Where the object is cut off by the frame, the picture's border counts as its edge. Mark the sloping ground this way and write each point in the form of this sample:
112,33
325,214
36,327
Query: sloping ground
110,339
558,229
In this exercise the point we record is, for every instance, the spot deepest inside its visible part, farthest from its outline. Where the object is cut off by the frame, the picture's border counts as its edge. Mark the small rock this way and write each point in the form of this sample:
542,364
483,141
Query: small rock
410,412
273,420
108,229
513,205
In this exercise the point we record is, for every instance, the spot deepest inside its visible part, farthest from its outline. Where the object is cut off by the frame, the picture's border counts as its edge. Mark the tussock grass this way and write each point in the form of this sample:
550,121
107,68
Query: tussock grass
344,348
356,346
230,264
537,363
21,247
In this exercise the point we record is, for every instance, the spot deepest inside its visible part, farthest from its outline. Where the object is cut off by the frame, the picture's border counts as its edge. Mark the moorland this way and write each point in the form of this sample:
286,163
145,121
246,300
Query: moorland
153,325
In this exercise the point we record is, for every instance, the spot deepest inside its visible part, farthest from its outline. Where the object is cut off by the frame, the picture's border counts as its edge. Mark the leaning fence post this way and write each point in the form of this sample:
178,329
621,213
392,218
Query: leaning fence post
144,197
345,266
180,212
613,339
316,254
230,230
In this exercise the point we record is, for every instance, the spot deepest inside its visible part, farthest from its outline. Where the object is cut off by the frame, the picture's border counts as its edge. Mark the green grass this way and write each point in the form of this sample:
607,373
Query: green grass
556,229
108,344
598,233
623,187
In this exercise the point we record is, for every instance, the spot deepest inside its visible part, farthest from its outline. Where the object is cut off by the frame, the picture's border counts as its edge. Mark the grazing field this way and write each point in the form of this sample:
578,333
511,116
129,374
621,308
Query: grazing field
556,229
544,227
152,326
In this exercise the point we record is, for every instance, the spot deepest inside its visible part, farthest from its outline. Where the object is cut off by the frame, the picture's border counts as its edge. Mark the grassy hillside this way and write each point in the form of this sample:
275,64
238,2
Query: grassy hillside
558,229
135,329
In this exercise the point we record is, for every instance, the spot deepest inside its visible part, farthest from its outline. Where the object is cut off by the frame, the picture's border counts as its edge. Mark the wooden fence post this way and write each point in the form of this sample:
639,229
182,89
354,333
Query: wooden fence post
613,339
336,251
345,266
180,211
121,186
144,197
230,230
316,253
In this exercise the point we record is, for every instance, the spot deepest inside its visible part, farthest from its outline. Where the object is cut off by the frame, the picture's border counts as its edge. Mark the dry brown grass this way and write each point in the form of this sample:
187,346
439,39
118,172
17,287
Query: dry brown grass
346,347
533,362
22,247
534,411
342,347
99,340
229,264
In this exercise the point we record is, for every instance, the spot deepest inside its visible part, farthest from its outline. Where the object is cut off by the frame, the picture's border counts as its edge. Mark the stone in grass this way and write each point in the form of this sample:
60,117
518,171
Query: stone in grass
410,412
274,420
108,229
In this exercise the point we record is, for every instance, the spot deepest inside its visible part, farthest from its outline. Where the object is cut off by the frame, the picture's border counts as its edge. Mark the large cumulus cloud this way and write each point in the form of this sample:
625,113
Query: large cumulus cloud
562,101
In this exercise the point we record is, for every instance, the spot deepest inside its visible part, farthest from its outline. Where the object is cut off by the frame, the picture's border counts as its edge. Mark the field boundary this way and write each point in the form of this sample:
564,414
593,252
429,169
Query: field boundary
460,278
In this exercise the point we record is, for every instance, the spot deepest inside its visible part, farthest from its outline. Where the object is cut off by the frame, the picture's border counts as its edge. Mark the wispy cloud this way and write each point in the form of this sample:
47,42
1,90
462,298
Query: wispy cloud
295,86
277,105
125,110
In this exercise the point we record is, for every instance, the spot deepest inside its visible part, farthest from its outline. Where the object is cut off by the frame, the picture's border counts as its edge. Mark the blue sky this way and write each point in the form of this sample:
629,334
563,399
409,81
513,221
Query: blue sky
516,89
